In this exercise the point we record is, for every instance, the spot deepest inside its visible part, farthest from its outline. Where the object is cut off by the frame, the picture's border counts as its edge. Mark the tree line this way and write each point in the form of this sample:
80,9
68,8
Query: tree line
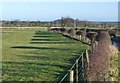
62,22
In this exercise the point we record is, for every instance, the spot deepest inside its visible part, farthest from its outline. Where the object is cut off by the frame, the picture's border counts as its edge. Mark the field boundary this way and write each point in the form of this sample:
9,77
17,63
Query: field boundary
76,72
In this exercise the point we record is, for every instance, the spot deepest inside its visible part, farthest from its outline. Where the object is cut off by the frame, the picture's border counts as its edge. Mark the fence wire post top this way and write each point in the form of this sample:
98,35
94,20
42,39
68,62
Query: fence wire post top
77,60
75,64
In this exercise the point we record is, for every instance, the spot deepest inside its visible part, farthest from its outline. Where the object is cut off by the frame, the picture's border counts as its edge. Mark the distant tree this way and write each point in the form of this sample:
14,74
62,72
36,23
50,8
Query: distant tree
62,22
77,22
67,22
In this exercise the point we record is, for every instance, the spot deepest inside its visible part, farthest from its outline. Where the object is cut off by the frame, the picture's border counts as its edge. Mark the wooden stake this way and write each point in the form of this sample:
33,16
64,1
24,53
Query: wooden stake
87,56
77,71
71,76
83,64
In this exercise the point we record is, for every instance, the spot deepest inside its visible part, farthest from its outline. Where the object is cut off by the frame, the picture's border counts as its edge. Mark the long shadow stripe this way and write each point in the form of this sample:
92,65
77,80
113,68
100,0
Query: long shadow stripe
51,42
46,36
42,48
45,40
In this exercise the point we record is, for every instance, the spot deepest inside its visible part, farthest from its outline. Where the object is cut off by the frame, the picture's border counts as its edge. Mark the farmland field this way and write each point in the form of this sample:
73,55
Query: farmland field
37,55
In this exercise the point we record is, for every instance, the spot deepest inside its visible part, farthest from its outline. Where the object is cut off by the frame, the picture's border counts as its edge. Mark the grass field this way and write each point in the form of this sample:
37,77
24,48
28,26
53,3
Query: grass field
32,55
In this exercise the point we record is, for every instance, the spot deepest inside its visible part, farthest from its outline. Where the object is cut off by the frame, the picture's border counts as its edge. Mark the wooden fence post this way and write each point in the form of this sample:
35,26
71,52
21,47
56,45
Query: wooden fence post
80,37
77,71
87,57
83,65
71,76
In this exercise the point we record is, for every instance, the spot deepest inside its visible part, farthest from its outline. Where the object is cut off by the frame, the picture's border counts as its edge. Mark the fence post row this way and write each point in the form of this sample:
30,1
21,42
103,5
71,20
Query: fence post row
83,65
87,57
71,76
77,71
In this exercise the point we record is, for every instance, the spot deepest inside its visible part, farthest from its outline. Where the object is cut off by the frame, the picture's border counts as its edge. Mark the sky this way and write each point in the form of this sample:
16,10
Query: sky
60,0
49,11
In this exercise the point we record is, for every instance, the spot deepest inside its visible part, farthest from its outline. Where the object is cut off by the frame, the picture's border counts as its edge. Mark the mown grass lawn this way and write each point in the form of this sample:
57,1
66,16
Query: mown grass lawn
37,55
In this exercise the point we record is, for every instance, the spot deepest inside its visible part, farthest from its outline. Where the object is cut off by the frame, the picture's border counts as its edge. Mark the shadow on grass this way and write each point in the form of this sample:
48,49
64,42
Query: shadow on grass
32,66
33,63
45,39
51,42
38,57
46,36
41,48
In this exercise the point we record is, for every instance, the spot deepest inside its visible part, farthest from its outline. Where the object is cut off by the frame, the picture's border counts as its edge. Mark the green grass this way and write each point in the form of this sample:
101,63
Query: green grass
37,55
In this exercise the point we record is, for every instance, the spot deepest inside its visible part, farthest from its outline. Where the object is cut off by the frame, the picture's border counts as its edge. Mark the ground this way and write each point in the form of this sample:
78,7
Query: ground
37,55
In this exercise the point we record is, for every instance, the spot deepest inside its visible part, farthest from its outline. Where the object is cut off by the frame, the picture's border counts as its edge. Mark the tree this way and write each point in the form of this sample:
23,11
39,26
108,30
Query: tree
67,21
100,60
77,22
92,36
62,22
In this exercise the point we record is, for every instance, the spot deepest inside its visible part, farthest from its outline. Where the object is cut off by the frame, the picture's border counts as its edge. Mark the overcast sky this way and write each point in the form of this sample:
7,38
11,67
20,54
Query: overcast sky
48,11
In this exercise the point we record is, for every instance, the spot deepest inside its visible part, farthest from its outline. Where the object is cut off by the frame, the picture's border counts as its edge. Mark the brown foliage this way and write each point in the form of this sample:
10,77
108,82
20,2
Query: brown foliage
99,60
72,32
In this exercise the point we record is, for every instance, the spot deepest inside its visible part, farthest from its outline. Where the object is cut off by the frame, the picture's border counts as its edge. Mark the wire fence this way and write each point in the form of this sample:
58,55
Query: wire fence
76,72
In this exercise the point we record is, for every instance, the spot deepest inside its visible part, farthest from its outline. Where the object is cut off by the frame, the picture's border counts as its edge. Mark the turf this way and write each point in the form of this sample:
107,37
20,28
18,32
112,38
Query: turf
37,55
